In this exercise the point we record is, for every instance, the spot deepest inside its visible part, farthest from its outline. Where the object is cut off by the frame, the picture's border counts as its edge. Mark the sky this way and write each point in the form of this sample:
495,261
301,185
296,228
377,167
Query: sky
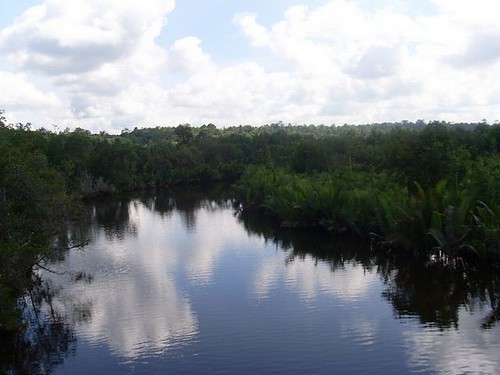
106,65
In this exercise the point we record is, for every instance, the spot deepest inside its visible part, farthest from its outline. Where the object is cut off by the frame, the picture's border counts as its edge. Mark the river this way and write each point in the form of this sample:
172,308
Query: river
180,283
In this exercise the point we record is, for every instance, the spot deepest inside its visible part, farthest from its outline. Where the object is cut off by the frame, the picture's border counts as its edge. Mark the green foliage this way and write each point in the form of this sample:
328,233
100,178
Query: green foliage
309,156
184,133
357,180
443,222
335,203
429,220
430,189
33,214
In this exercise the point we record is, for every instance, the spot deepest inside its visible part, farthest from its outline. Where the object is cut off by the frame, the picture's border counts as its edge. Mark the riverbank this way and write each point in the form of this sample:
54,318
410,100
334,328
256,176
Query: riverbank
446,221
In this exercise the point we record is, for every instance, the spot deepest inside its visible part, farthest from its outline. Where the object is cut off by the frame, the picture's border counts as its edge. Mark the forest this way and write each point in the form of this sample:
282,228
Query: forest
426,189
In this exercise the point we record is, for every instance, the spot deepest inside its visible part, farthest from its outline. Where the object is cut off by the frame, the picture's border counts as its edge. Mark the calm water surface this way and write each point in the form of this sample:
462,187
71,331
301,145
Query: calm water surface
180,284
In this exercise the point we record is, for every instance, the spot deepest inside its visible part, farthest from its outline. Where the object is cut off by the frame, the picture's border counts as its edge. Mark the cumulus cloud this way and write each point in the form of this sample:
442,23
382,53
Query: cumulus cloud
92,51
376,62
187,56
340,62
61,37
387,64
482,49
16,90
338,50
258,34
235,93
23,101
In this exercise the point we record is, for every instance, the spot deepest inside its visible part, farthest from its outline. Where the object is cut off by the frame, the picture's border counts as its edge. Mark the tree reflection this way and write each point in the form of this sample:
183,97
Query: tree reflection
45,340
114,216
492,318
316,243
429,291
434,293
188,202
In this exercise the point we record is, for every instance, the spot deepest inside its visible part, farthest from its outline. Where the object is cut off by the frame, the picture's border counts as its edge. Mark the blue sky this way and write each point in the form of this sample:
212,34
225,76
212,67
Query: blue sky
110,64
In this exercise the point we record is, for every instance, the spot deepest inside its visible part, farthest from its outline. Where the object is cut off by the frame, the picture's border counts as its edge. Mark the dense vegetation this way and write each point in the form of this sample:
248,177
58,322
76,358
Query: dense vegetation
433,189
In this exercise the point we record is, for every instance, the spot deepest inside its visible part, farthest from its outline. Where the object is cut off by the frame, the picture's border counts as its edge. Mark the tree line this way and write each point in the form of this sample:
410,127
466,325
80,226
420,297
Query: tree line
433,188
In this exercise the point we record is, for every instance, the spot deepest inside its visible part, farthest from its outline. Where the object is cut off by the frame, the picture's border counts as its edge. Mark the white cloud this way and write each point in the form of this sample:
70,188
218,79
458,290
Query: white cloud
386,64
61,37
339,62
21,98
477,13
238,93
482,49
16,90
376,62
94,52
258,34
187,56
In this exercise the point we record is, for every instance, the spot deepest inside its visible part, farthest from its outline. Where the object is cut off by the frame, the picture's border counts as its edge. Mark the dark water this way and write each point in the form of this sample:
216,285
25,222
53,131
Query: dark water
180,284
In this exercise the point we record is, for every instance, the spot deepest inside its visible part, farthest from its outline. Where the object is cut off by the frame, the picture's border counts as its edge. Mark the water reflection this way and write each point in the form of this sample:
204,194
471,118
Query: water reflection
174,272
456,309
217,231
187,203
465,349
315,264
120,318
311,278
47,341
138,307
429,291
113,216
435,294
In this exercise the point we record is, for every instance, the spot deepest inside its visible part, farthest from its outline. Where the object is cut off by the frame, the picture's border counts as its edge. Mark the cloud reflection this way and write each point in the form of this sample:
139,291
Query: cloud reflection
311,278
363,331
134,322
139,292
217,231
465,350
138,306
